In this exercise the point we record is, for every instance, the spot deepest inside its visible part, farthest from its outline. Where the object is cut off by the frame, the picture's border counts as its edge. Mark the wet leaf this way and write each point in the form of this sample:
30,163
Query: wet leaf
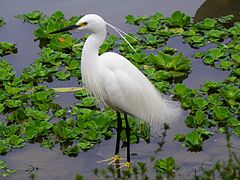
193,140
220,113
2,22
199,103
7,48
32,17
179,19
165,166
13,103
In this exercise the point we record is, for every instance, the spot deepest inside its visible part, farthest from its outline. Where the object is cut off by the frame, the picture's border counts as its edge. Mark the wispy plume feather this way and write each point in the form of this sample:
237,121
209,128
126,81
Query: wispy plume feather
121,32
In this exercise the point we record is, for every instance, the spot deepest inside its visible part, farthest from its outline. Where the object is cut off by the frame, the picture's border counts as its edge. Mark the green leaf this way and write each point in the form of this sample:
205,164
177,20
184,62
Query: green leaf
2,22
214,99
220,113
130,19
233,122
6,72
36,114
199,103
210,86
226,65
87,102
57,16
36,129
63,75
236,57
179,19
16,141
72,151
152,24
151,39
193,140
61,41
196,40
236,131
199,118
7,48
179,137
73,64
5,174
230,92
32,17
1,108
182,91
11,170
165,166
209,23
85,145
13,103
214,53
12,90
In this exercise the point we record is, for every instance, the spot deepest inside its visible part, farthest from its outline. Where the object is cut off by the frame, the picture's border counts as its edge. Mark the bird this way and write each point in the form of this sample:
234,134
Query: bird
117,83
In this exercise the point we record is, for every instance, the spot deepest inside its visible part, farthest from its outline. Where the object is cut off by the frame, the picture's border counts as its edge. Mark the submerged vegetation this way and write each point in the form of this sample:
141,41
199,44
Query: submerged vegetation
29,113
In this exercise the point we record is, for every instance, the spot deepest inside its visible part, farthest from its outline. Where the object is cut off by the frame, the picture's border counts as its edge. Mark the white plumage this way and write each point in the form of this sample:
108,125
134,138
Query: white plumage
116,82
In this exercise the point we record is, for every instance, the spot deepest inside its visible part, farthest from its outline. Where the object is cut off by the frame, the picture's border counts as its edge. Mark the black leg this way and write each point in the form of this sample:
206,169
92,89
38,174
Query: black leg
128,137
119,129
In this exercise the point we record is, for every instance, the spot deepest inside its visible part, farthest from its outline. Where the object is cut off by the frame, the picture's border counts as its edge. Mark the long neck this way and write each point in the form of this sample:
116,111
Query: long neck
90,53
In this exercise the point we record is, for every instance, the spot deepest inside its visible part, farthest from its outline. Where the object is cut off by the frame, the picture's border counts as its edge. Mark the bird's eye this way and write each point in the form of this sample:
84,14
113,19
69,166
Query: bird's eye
82,24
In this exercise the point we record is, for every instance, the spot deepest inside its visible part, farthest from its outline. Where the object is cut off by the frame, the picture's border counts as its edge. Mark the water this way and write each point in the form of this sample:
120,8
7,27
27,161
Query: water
52,164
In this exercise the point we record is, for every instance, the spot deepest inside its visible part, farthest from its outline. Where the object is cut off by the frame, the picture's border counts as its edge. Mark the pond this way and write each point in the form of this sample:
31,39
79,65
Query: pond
34,162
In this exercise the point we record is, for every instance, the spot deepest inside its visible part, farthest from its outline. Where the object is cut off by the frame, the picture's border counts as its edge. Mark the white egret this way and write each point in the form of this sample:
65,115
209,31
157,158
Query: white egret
116,82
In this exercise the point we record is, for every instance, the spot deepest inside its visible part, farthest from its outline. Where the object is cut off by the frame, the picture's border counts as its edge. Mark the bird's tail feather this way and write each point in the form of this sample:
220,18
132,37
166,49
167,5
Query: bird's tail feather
165,111
158,109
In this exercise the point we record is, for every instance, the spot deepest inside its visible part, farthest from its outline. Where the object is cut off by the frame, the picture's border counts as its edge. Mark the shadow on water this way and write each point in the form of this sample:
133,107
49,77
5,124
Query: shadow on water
34,162
217,8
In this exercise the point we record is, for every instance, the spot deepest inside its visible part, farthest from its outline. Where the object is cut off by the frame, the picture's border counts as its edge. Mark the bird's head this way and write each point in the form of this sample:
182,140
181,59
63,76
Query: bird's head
90,22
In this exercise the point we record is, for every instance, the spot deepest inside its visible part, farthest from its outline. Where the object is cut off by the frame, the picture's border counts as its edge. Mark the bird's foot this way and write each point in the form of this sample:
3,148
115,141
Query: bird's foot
126,164
114,159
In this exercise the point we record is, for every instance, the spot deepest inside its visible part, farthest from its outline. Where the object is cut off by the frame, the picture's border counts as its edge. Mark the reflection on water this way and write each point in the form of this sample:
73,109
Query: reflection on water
217,8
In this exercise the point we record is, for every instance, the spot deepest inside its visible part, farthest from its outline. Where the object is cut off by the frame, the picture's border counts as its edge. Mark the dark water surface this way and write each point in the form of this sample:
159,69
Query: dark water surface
52,164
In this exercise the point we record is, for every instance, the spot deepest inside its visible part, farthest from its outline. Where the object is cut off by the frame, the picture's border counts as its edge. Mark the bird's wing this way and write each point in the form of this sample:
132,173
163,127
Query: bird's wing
122,81
130,91
127,88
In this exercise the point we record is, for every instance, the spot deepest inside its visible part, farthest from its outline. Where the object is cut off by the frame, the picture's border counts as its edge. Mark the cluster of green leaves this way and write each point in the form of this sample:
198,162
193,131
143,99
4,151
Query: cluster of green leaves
52,64
225,57
165,167
214,104
26,108
32,17
156,29
7,48
10,138
5,171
